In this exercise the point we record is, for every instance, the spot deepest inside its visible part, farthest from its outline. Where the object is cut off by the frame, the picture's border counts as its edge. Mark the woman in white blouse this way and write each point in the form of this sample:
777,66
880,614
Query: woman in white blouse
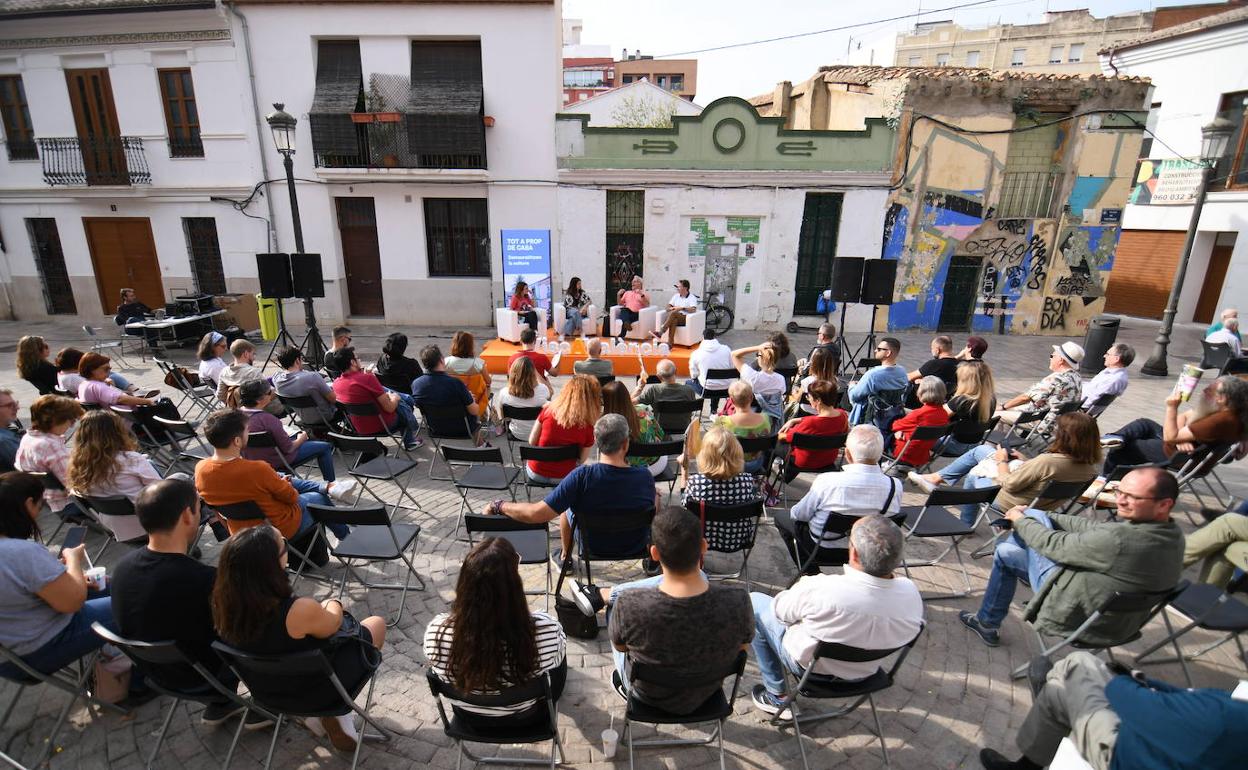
523,389
104,462
211,356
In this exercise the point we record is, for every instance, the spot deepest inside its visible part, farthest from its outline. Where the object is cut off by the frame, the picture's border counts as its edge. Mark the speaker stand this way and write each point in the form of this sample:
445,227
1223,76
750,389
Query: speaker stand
313,346
869,343
848,364
283,336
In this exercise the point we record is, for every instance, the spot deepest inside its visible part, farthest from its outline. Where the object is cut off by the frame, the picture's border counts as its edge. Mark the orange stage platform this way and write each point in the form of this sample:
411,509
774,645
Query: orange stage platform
497,352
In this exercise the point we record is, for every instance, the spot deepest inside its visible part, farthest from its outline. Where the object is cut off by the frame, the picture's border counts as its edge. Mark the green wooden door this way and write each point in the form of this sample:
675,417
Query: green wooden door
821,220
961,289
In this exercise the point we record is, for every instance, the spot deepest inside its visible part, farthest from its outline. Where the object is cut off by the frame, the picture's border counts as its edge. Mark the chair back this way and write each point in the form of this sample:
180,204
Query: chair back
1216,355
1058,491
513,412
297,402
686,406
438,417
358,445
605,379
666,677
549,454
293,684
849,654
722,374
1138,606
728,528
930,432
537,690
247,510
752,444
472,455
1100,404
947,495
49,480
657,449
595,525
1236,365
110,506
822,685
482,522
261,439
367,409
812,442
165,666
371,515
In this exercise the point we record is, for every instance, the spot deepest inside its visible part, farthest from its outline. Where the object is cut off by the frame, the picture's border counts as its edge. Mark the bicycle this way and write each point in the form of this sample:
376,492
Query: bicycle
718,315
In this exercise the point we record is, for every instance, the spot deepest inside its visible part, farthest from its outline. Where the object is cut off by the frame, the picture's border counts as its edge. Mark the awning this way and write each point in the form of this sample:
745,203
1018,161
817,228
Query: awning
339,87
446,104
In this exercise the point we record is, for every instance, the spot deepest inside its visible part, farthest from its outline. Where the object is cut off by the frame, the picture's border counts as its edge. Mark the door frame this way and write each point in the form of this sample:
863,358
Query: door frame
346,266
105,301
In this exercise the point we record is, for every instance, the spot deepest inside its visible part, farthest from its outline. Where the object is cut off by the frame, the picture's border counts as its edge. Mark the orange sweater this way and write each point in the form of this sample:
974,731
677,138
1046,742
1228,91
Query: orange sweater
235,481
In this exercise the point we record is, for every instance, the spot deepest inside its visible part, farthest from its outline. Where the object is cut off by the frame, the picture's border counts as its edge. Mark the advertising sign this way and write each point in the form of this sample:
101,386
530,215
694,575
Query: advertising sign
1170,182
526,257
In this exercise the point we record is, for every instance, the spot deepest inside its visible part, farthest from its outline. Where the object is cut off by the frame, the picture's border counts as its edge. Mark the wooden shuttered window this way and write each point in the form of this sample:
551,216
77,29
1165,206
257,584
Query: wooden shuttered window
177,93
1144,265
445,127
339,92
19,132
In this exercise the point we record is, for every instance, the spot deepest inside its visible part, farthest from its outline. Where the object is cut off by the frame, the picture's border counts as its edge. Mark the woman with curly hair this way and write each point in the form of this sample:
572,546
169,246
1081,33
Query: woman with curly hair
33,364
43,448
104,462
643,426
490,641
568,420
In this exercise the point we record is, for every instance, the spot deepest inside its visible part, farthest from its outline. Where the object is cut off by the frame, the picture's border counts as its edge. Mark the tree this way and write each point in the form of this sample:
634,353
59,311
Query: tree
639,112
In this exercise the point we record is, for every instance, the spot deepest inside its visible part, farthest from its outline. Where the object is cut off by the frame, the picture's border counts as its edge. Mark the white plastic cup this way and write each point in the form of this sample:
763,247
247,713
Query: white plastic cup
610,742
96,577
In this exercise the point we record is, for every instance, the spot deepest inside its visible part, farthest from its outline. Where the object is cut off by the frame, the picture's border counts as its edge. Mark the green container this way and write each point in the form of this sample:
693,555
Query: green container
268,317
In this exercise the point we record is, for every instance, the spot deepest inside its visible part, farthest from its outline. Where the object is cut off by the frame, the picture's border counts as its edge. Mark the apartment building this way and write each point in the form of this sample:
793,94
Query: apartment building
680,76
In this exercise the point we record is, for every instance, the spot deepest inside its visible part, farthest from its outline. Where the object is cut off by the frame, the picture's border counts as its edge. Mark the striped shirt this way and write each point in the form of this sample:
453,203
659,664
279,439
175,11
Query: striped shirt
551,643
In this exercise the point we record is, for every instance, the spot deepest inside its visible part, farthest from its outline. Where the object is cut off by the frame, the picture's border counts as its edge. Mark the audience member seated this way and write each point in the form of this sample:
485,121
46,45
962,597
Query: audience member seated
643,428
784,354
888,377
439,389
395,370
254,396
464,365
528,342
243,370
1230,312
161,594
679,307
709,354
1221,547
131,309
568,420
974,349
608,486
822,365
211,356
490,641
1228,335
931,393
970,407
522,390
95,370
866,606
1218,415
1073,563
356,386
860,489
1112,380
9,440
768,384
666,389
942,364
722,478
595,365
825,339
294,382
33,364
678,622
104,462
828,420
631,302
47,605
254,610
522,303
1072,456
43,448
228,478
1118,718
744,422
68,379
341,339
578,306
1061,386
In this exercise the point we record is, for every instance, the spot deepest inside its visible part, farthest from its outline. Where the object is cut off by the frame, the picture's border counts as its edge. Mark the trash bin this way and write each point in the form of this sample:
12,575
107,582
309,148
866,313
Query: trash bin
1102,333
268,317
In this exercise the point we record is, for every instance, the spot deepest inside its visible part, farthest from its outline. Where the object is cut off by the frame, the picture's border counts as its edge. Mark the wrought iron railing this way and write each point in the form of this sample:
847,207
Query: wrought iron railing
386,145
116,160
1027,194
186,147
23,149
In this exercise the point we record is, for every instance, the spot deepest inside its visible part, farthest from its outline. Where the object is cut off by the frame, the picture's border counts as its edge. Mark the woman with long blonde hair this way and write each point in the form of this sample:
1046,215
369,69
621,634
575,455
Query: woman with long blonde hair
104,462
970,406
721,480
568,420
33,364
523,389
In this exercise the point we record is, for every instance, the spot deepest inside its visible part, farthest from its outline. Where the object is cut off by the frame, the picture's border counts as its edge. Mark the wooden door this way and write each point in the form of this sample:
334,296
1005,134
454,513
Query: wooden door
961,288
1211,289
357,224
95,119
123,254
816,246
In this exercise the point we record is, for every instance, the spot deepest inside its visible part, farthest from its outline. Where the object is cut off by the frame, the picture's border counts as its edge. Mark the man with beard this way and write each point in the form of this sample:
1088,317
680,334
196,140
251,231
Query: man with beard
1218,416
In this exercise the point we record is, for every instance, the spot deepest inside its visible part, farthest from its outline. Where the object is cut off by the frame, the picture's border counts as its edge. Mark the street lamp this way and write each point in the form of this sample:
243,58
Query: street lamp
1214,138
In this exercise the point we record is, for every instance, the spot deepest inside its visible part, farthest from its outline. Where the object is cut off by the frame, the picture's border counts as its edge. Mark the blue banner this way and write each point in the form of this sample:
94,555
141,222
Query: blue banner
526,257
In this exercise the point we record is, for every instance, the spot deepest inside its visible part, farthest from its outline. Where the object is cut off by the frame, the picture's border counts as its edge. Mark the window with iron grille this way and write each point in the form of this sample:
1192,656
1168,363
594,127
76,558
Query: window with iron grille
205,254
18,130
1232,168
58,294
181,115
457,233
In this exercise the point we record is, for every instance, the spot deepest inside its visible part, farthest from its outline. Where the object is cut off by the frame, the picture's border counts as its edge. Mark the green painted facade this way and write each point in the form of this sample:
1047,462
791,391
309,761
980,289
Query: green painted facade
730,135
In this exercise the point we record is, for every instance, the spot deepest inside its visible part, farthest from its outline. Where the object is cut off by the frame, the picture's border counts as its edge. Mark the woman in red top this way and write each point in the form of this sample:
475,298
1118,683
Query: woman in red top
522,303
931,394
828,421
567,420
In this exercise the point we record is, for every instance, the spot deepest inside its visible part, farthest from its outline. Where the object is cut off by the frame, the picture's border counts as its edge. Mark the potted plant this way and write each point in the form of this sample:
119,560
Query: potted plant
377,111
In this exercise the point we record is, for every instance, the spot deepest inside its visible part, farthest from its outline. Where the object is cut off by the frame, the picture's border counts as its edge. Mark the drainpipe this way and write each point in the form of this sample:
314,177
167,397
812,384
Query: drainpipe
255,111
1110,61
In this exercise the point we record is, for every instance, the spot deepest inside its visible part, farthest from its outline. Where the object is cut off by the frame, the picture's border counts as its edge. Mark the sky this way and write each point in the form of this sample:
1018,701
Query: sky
663,27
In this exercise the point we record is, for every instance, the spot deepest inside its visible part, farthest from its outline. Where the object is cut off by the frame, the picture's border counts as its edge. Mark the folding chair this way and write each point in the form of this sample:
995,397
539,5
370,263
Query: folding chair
1236,365
503,729
604,379
265,440
374,537
1202,465
1053,491
184,441
484,469
297,405
827,551
73,684
531,541
789,374
1016,435
445,415
372,410
809,442
715,708
202,397
1209,608
762,444
54,484
822,686
304,684
301,545
715,395
1216,355
158,448
690,408
591,525
729,529
378,467
921,433
160,661
102,346
102,509
544,454
1099,404
1146,604
669,449
512,412
933,520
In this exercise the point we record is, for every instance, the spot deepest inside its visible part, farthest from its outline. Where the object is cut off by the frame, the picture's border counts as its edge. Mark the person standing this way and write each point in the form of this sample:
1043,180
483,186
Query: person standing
679,307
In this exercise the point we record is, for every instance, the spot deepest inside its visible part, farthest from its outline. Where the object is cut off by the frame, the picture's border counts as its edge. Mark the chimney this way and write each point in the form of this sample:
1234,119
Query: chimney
624,56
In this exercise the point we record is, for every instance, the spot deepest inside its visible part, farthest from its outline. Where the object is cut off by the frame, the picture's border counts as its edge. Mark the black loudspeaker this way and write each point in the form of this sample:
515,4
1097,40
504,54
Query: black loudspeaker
877,281
274,272
847,279
306,269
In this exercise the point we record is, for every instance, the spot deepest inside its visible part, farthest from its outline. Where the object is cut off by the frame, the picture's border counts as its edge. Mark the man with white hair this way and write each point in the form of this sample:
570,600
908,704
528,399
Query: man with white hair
865,606
595,365
1228,335
1230,312
666,389
835,499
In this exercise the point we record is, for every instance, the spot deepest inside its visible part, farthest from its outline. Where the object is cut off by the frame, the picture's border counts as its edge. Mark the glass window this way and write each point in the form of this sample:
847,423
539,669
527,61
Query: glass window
1076,52
205,254
972,58
1232,169
1055,54
457,235
1018,57
18,130
676,82
942,60
181,115
915,61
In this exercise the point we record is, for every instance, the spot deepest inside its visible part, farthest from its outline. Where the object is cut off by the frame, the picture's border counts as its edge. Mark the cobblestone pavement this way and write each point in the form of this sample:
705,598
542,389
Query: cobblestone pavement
953,695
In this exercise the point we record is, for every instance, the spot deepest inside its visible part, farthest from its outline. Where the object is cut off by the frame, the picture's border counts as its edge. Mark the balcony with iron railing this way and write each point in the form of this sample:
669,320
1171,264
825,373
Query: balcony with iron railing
1028,194
384,145
75,162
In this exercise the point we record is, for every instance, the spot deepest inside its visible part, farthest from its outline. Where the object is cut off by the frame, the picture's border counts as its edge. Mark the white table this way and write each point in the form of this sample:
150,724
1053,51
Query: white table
161,326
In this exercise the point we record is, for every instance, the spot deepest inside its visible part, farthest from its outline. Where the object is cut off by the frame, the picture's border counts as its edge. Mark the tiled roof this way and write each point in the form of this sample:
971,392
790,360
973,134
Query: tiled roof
1225,19
10,8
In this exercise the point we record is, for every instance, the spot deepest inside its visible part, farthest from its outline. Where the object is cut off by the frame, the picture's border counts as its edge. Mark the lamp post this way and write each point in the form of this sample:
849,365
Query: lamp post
1214,138
282,124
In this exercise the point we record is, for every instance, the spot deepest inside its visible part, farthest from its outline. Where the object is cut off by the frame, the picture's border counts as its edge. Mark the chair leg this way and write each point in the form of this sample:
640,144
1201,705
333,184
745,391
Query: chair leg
160,736
277,728
238,732
797,731
879,730
628,730
721,745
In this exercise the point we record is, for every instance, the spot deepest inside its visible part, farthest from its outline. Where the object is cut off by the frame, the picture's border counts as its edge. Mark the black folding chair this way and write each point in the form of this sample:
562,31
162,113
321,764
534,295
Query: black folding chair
544,454
372,410
1049,498
482,469
184,441
1099,404
690,409
821,686
163,663
1202,465
503,729
942,448
810,443
436,418
729,529
304,684
921,433
766,445
1209,608
531,541
590,526
715,395
296,406
302,545
264,440
934,520
373,538
668,449
54,484
604,379
1216,355
716,708
1015,435
373,463
831,548
102,509
512,412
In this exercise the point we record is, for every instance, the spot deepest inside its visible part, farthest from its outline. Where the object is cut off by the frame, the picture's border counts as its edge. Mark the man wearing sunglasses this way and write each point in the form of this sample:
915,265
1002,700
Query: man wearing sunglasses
888,377
1074,563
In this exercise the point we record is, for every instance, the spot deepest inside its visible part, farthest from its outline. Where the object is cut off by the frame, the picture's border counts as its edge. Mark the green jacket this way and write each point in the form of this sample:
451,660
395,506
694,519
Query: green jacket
1096,559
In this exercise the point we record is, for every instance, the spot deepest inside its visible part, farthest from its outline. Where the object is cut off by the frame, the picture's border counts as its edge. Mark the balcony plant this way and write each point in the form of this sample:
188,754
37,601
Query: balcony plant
377,110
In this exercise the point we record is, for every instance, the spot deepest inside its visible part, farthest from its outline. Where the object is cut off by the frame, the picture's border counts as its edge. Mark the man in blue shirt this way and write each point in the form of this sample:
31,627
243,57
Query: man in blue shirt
437,388
885,378
608,486
1120,720
1112,380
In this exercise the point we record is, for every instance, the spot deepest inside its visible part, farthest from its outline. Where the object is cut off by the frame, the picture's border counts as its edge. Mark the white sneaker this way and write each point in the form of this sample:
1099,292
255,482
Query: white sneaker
344,491
917,479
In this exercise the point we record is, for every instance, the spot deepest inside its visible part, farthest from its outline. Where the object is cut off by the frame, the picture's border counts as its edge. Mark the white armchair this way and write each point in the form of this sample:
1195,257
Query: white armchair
589,325
641,330
509,325
688,335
